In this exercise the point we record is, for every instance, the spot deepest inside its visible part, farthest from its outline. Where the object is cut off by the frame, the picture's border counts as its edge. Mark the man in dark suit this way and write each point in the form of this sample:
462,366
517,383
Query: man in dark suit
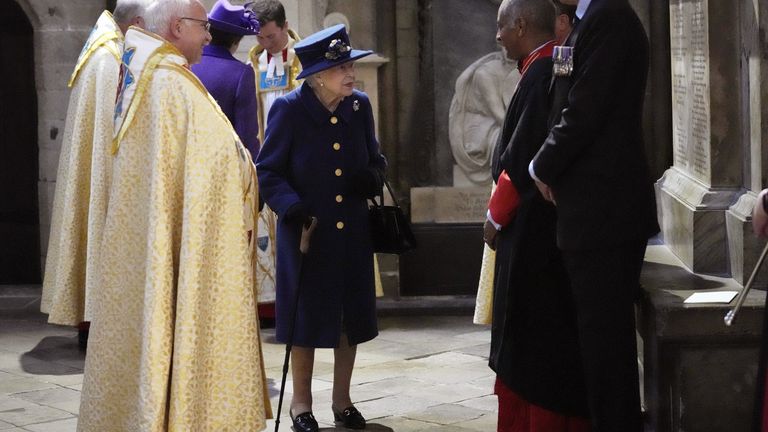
593,167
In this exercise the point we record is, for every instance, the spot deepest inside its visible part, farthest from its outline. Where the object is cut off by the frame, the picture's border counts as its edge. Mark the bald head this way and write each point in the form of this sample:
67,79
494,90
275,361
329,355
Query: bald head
539,15
130,12
524,25
183,23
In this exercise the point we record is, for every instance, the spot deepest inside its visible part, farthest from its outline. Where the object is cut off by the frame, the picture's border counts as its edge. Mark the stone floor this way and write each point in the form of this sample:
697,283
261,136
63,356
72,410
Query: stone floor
423,373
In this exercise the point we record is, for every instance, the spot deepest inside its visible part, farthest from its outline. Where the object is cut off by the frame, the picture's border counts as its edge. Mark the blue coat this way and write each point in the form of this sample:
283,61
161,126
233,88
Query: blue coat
232,84
310,156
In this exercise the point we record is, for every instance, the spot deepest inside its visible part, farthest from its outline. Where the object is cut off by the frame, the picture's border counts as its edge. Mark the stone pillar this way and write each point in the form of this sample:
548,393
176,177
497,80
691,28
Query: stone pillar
409,51
305,16
744,247
706,177
367,80
60,30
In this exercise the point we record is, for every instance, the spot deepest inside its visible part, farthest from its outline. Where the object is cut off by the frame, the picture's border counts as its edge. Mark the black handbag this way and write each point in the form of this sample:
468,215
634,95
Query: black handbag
390,230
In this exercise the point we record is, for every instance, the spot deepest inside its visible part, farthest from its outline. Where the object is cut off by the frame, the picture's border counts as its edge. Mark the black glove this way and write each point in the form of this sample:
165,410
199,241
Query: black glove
368,182
297,214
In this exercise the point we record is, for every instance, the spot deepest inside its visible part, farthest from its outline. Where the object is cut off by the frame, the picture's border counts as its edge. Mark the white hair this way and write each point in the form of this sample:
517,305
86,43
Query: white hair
161,12
312,80
128,10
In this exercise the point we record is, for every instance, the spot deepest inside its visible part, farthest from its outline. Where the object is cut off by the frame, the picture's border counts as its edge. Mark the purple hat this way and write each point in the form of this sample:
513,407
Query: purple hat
326,49
233,19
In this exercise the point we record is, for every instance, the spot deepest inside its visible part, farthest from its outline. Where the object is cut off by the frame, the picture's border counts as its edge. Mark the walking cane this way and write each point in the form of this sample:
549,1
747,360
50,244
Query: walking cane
731,315
306,233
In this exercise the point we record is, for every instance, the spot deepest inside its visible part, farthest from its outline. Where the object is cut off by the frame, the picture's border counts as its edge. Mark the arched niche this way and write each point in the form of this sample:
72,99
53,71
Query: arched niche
19,214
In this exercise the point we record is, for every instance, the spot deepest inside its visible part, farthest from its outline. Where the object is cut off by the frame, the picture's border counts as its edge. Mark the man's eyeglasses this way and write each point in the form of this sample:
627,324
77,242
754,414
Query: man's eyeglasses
206,24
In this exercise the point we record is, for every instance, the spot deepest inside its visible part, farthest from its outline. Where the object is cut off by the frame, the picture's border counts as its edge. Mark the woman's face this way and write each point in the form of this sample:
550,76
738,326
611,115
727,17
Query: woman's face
338,80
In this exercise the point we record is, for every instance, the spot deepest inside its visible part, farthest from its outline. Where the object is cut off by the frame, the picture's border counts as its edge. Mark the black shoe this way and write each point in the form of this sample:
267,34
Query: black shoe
350,418
304,422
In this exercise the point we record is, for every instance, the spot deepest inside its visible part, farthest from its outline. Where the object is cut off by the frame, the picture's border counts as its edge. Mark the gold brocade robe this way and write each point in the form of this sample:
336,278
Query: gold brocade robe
82,181
484,300
175,344
258,61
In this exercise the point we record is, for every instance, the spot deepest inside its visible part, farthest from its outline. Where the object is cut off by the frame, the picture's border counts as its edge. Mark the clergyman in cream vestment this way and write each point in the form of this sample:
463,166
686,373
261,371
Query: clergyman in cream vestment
82,181
174,345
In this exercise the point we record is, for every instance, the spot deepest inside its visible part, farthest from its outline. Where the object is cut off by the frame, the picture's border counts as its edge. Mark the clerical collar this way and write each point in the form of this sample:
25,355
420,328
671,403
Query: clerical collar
285,55
581,9
545,50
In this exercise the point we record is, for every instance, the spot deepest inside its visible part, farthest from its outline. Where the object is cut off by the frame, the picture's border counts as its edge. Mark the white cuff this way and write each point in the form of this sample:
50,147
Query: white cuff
532,173
493,222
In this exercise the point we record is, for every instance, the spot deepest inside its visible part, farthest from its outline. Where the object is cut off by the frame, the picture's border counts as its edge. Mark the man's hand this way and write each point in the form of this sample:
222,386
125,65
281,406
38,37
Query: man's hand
546,192
489,234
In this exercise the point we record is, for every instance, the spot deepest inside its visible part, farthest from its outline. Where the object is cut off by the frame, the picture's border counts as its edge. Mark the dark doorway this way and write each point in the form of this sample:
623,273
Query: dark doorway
19,223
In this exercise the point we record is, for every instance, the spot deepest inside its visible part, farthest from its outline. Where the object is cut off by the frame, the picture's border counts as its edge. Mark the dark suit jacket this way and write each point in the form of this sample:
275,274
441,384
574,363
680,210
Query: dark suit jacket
534,345
594,157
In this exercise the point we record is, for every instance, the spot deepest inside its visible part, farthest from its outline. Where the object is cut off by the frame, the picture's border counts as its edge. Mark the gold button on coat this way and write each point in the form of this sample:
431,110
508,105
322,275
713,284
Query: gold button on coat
334,120
340,225
336,146
338,172
339,198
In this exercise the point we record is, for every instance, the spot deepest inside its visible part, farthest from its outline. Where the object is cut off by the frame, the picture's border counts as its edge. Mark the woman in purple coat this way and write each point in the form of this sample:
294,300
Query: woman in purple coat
227,79
321,159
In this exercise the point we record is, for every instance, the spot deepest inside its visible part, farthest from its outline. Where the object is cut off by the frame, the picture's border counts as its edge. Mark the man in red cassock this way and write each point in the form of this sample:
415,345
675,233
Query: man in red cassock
534,345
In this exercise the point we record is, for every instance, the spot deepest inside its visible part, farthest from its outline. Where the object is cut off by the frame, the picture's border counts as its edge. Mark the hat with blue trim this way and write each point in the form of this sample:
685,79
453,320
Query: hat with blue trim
325,49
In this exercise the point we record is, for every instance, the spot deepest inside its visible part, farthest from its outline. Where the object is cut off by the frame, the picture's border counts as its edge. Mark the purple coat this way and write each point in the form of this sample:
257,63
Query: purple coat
232,84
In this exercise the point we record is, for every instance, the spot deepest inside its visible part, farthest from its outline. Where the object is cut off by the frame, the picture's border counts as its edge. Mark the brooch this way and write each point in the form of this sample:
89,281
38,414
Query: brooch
355,105
336,49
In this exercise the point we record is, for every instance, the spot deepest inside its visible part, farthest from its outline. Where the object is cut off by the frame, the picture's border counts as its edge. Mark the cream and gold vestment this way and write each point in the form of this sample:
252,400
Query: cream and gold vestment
484,300
175,344
272,82
82,181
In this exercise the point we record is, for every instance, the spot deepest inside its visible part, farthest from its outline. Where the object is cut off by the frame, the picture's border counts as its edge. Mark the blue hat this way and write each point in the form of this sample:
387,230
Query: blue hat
326,49
233,19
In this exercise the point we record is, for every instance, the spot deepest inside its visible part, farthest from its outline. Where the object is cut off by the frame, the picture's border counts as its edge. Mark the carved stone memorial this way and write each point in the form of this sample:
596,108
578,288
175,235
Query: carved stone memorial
695,193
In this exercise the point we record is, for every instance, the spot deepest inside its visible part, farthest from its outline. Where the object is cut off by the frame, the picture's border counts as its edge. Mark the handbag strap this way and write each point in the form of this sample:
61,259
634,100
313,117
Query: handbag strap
391,194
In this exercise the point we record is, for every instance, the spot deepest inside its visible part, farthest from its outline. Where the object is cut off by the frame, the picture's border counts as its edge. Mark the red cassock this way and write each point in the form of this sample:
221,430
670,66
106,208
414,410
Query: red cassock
515,413
518,415
534,347
764,426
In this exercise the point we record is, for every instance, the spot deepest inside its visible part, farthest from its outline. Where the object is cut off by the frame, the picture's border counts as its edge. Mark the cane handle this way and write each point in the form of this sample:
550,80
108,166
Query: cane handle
306,235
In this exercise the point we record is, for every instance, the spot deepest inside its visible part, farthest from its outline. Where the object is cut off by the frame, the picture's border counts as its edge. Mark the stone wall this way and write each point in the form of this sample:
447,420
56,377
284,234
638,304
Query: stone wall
60,29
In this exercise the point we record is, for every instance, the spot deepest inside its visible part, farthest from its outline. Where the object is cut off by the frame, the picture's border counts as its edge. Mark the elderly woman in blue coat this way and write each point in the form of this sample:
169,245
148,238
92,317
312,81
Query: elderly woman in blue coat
321,159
